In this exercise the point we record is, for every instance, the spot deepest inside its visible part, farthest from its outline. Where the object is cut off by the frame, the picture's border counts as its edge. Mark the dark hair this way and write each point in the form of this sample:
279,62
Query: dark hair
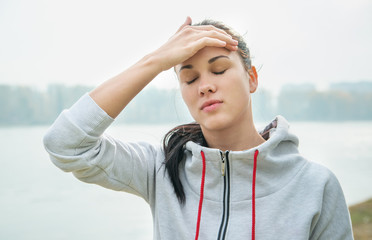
174,141
243,50
174,147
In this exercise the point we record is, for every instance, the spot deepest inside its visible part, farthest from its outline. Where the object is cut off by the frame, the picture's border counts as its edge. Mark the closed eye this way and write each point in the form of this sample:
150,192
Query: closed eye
218,73
193,80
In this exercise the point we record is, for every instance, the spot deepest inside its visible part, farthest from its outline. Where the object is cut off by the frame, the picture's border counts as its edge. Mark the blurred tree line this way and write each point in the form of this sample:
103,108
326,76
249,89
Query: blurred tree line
340,102
20,105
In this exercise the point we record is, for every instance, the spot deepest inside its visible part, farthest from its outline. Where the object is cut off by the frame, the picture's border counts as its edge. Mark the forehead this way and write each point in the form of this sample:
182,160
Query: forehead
203,55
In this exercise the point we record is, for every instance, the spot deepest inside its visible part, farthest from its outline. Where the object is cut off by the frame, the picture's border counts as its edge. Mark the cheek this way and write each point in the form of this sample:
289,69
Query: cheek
240,88
238,81
187,96
245,79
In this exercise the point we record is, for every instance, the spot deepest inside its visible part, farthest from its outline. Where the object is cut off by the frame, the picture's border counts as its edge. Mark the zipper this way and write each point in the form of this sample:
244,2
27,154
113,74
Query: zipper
225,171
223,163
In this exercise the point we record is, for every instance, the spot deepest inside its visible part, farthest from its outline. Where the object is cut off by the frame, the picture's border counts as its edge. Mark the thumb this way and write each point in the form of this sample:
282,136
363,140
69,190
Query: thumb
188,21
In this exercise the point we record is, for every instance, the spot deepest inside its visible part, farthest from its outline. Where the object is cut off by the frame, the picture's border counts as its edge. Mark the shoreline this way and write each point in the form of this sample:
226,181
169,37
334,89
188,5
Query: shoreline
361,218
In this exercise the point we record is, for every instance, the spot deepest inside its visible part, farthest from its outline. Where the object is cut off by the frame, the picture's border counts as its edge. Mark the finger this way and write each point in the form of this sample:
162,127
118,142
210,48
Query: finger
211,28
187,22
218,35
208,42
231,47
212,42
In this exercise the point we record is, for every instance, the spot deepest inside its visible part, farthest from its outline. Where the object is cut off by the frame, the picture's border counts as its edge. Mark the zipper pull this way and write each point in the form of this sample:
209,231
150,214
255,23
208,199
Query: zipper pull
223,164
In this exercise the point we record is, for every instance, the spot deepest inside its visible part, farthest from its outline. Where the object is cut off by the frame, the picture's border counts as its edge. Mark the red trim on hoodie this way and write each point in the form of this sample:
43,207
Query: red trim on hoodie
201,197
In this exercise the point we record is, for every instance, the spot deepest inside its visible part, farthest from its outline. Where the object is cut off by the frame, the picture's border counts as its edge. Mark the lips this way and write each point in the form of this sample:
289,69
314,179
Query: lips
210,103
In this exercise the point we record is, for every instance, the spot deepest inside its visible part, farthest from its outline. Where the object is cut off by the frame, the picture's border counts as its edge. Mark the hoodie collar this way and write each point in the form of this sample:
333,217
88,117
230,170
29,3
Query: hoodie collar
278,162
274,133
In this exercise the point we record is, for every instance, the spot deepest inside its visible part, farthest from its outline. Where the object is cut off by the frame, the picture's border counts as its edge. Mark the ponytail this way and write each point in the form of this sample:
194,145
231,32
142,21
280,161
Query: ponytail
174,146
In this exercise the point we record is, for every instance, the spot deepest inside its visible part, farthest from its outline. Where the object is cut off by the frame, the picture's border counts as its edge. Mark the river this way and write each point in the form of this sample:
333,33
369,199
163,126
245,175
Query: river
39,201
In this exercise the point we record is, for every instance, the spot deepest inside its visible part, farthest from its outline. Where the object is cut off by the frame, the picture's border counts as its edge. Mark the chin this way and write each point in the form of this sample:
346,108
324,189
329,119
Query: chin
214,124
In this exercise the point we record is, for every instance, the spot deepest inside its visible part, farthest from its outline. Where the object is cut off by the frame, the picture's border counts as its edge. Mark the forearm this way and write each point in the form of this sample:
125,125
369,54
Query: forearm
115,94
76,144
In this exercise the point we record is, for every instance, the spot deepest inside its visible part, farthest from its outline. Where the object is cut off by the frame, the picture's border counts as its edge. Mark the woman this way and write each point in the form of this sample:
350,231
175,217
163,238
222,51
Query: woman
217,178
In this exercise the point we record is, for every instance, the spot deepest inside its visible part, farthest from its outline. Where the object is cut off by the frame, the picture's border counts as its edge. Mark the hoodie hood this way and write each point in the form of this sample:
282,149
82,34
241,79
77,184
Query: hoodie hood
247,175
277,163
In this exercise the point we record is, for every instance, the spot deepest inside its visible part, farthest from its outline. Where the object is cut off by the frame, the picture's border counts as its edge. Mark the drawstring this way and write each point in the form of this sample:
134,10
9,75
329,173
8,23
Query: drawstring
201,197
254,194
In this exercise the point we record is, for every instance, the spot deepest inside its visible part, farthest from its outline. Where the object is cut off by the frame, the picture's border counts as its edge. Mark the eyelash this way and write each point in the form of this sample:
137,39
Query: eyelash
217,73
189,82
222,72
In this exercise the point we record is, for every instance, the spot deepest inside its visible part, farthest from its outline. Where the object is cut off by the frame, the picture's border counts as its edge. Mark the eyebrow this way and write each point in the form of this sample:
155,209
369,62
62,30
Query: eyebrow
215,58
210,61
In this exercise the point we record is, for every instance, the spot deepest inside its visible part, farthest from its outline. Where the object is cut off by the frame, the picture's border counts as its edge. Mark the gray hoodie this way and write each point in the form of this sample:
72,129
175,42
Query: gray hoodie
293,198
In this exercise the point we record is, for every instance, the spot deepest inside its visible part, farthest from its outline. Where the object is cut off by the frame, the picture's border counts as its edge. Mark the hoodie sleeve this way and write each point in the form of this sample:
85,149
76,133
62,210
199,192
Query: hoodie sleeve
333,221
76,143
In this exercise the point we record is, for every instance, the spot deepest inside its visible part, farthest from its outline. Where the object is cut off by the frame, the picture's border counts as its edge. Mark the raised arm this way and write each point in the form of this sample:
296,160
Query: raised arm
113,95
76,143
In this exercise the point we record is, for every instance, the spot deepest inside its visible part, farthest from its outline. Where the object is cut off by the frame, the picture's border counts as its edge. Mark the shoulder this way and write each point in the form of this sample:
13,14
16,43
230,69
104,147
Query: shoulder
332,220
322,182
319,172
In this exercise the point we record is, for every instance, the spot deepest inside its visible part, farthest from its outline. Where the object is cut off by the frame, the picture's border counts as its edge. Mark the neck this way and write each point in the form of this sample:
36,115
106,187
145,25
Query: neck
235,138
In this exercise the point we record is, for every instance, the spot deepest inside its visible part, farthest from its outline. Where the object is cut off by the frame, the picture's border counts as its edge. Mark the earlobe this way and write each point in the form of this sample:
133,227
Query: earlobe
253,79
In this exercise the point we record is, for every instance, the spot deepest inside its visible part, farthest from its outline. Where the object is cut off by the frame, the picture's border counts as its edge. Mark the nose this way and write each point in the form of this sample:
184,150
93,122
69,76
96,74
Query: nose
206,86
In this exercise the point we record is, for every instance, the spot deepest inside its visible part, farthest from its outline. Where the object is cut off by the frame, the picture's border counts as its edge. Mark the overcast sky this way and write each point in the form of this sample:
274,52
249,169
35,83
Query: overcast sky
87,42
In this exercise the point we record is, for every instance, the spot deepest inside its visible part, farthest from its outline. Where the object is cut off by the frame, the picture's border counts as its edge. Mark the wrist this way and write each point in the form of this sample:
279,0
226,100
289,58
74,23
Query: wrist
153,62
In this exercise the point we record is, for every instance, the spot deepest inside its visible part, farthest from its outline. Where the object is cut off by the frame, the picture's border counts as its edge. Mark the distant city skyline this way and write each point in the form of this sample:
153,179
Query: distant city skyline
87,42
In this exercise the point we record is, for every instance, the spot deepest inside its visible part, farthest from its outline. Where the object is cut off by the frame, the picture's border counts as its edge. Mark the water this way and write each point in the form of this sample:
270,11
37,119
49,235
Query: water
39,201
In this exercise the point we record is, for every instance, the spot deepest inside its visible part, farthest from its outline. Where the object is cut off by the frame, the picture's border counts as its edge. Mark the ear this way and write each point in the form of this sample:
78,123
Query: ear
253,79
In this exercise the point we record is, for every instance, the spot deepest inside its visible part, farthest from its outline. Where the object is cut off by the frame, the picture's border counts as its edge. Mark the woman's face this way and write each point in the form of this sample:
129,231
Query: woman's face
216,88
